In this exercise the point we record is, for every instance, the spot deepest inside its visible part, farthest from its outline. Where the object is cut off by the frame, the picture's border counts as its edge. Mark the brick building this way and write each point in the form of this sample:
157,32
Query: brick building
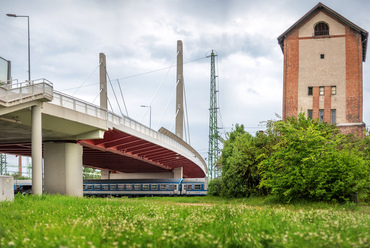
323,56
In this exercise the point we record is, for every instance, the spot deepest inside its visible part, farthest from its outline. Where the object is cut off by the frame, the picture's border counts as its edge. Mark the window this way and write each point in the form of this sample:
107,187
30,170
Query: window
121,187
128,187
333,116
321,115
170,187
321,90
310,91
322,56
137,186
154,186
190,186
105,187
309,113
197,186
146,187
89,187
97,186
163,186
333,90
112,187
321,29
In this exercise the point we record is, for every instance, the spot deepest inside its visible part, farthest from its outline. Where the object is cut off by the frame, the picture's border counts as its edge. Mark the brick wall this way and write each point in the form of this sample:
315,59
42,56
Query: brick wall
291,65
353,76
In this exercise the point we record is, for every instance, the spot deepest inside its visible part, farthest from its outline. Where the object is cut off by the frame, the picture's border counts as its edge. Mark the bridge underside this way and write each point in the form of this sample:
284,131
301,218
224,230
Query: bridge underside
122,152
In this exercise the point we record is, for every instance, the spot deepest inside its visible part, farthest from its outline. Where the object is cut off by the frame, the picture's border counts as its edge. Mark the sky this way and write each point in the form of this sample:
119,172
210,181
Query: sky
139,39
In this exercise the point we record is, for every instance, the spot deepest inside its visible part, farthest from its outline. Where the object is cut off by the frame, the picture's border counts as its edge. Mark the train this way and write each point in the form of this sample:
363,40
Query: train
146,187
138,187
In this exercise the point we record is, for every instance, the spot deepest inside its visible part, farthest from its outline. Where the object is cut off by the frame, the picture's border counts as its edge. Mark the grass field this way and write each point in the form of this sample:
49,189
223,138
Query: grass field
57,221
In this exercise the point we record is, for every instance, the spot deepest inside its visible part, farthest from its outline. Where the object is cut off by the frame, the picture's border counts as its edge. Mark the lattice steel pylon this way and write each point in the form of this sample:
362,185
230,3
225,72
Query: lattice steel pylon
213,148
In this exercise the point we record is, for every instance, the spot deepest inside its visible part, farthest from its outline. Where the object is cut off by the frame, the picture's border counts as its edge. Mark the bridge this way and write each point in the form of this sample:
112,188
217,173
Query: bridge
70,133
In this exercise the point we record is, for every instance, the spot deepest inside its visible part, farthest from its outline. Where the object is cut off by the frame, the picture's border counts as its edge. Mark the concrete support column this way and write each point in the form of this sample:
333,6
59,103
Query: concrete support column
63,168
103,81
178,172
179,92
36,140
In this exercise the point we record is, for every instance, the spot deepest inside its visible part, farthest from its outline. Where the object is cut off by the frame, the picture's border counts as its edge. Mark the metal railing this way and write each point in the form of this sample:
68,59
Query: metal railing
16,93
84,107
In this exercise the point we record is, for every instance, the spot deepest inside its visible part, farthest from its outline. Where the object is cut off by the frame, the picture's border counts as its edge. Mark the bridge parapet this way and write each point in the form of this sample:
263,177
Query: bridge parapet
16,93
126,124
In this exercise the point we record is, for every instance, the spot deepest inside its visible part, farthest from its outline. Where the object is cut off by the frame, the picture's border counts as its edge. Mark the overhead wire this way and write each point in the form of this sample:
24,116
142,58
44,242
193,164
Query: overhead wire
161,69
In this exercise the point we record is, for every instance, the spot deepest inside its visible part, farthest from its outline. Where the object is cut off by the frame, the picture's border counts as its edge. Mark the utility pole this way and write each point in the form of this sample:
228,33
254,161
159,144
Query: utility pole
3,164
213,148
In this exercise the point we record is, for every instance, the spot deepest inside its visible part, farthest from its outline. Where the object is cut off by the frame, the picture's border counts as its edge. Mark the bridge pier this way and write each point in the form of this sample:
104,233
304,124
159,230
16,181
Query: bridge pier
36,150
63,169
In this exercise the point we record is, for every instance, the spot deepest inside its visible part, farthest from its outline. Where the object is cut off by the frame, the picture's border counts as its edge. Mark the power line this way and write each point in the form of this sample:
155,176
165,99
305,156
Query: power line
165,68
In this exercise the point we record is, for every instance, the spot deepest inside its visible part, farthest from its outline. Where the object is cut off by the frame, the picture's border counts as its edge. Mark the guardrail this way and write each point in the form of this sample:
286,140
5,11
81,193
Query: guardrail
16,93
84,107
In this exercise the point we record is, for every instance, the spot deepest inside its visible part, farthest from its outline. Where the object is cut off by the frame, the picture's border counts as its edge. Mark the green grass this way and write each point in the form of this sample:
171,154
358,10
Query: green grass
57,221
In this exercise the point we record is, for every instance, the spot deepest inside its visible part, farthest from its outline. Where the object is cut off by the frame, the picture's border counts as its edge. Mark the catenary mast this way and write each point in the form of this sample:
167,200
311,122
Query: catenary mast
213,149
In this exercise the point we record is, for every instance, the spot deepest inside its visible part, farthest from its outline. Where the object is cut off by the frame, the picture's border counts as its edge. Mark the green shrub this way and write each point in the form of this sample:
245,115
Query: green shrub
313,161
214,187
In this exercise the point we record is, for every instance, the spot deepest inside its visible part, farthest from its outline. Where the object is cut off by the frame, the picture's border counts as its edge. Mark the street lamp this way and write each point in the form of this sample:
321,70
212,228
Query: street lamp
29,54
150,114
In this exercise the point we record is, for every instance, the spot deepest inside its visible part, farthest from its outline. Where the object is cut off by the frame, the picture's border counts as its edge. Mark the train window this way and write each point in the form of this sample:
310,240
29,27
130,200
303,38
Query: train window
190,186
146,187
97,186
128,187
105,187
121,187
197,186
175,188
163,186
154,186
89,187
84,187
112,187
137,186
170,187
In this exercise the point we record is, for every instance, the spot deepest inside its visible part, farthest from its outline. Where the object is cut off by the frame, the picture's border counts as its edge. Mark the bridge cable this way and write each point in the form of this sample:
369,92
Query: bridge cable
110,82
86,80
186,119
160,86
123,99
169,100
97,95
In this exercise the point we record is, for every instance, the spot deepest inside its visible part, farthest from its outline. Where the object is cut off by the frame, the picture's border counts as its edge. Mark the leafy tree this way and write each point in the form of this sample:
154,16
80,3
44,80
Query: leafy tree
239,161
90,173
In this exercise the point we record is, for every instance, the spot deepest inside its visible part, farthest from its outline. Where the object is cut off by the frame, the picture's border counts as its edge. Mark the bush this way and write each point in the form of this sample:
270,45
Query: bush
214,187
314,161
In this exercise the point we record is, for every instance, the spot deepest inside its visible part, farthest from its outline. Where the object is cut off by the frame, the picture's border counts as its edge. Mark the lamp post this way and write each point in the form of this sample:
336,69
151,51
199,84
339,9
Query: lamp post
150,114
29,53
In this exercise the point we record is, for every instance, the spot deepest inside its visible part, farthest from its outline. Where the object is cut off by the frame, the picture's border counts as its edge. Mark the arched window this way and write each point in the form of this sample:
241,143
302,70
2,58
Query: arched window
321,29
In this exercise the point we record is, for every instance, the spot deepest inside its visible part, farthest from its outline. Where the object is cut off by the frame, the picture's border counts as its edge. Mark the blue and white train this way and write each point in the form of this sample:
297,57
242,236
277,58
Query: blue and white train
146,187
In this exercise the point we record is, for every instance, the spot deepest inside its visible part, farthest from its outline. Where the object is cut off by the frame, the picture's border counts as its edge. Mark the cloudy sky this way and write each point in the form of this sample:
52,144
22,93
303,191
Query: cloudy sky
139,39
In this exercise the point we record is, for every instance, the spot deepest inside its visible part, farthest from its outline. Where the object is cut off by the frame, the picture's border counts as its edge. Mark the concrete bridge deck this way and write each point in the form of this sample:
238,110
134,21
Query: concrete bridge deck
109,142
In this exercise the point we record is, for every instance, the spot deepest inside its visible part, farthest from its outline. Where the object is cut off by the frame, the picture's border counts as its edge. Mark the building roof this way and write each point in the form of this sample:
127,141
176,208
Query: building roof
320,6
